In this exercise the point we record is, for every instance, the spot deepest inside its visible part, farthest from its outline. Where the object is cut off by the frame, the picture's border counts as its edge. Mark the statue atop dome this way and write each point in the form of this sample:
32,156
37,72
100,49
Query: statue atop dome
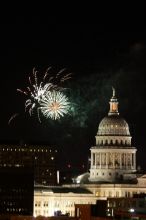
114,92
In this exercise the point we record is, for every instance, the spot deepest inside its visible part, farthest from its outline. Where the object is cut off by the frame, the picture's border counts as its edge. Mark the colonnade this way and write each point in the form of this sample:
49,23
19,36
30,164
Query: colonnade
113,160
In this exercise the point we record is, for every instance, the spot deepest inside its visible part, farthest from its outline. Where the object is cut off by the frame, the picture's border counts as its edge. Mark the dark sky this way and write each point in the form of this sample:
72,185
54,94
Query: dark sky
90,51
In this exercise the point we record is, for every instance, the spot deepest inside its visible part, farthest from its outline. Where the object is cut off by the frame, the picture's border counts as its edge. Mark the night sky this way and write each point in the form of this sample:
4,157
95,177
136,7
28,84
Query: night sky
98,59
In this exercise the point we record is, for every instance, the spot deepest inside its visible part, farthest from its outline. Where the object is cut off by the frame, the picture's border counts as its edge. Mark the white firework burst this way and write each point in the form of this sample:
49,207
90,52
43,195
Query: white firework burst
35,91
54,104
44,93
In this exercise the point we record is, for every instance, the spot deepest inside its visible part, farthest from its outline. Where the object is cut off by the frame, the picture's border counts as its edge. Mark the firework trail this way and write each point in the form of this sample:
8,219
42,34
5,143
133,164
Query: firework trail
57,79
12,118
35,91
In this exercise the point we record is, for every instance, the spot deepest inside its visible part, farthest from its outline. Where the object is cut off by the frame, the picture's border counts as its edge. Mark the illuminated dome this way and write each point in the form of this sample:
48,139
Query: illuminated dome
113,125
113,130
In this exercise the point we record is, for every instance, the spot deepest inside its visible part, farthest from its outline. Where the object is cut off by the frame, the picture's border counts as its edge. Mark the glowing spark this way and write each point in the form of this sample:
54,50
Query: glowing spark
54,105
12,118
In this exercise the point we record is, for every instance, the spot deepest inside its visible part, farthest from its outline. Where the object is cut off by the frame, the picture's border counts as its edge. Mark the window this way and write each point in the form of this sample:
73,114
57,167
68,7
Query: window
45,204
141,204
97,193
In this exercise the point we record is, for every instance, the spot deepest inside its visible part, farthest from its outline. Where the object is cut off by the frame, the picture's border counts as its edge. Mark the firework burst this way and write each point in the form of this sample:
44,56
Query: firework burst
54,105
36,90
45,94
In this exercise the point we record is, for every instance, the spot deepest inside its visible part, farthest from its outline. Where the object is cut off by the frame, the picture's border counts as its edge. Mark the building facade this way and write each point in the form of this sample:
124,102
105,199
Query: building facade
41,159
16,191
48,200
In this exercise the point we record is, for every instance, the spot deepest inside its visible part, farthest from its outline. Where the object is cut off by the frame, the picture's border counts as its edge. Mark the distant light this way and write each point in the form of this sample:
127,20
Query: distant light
58,177
69,166
131,210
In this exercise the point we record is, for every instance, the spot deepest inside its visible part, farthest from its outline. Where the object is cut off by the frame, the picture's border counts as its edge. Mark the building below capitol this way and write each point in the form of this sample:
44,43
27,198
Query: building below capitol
112,171
41,159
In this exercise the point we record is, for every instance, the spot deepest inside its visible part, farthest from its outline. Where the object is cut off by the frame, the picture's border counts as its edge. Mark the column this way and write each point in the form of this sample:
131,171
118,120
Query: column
106,160
113,160
100,159
95,160
134,161
91,159
126,161
120,161
131,160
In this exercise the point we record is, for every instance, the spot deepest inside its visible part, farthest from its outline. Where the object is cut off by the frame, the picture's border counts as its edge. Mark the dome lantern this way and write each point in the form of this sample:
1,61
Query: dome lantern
113,123
113,104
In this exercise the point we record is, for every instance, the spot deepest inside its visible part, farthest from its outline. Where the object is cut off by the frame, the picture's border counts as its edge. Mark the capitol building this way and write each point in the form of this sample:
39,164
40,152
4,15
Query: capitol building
112,171
113,159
